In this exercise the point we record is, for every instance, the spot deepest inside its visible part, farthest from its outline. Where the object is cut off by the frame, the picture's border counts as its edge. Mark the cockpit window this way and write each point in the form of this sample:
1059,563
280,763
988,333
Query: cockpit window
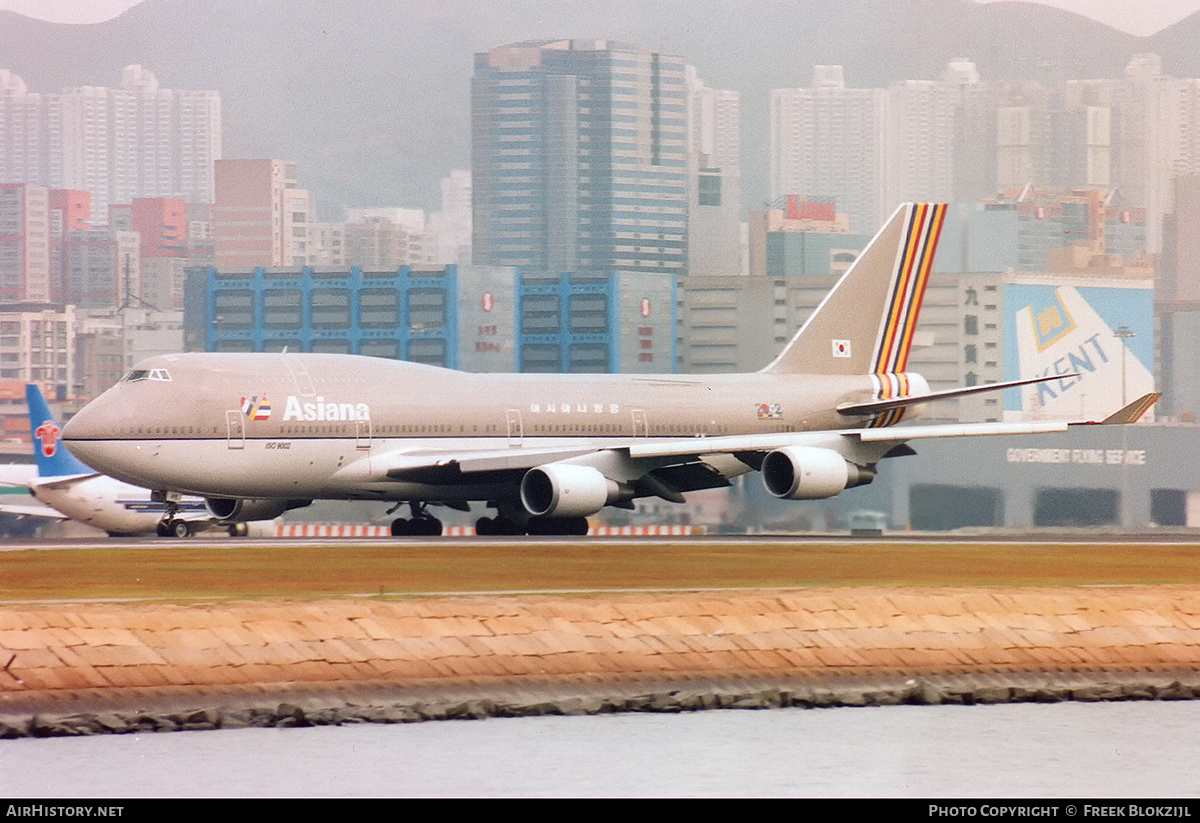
148,374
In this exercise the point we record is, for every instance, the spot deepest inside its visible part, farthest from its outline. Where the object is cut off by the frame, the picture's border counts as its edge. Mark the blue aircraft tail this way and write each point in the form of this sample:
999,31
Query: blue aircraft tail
53,459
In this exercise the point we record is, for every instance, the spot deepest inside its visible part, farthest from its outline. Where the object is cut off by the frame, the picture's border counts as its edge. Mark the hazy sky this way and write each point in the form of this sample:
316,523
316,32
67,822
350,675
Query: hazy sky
1141,17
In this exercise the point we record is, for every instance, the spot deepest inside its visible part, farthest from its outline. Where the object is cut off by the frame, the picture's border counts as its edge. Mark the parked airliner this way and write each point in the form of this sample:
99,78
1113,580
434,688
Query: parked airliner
77,492
544,450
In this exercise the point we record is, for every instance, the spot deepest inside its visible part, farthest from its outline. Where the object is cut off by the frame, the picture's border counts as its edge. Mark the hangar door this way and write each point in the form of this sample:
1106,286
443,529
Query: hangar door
1168,507
934,507
1076,507
1175,507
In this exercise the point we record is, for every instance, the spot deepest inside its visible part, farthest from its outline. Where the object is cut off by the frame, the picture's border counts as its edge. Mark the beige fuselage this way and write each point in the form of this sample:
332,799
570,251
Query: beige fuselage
332,426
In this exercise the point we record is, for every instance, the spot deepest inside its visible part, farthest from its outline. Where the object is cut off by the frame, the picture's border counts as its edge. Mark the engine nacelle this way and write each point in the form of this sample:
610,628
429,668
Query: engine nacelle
245,510
811,473
566,490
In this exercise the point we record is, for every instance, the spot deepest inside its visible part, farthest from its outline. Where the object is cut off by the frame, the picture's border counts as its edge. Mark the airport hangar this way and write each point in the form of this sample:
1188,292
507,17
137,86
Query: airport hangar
1130,477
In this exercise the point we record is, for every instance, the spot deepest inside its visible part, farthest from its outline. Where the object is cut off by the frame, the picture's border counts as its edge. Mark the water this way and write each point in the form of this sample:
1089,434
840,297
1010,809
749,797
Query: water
1081,750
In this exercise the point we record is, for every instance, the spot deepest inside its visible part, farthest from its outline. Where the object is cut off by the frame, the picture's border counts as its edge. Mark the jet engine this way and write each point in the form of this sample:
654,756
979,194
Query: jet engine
566,490
810,473
245,510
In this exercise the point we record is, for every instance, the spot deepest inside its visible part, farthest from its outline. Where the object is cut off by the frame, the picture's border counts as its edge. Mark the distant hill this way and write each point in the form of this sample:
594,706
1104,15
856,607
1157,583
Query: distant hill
372,97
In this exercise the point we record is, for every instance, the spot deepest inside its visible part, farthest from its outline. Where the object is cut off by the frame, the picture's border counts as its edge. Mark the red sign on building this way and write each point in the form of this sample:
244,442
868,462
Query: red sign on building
798,208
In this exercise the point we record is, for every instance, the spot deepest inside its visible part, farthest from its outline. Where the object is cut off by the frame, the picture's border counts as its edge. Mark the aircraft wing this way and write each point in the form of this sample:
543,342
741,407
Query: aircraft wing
1134,411
30,509
15,499
668,467
1128,414
666,476
893,435
435,465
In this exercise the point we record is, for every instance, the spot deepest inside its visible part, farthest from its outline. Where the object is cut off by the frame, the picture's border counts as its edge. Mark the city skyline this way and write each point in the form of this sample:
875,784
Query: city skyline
1140,19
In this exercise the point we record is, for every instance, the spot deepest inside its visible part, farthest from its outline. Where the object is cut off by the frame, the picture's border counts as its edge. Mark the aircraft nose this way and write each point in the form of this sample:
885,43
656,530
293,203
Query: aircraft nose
92,435
97,423
87,424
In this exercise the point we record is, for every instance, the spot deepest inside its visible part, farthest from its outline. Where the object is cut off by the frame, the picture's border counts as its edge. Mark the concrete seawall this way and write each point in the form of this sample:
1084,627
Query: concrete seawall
917,645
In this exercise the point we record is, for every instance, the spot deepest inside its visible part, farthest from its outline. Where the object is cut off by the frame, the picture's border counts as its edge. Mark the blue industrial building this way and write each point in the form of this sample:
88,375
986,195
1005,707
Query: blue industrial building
406,314
476,318
588,323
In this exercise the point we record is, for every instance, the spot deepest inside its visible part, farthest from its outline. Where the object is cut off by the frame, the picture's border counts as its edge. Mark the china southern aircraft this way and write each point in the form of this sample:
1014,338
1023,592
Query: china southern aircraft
544,451
76,492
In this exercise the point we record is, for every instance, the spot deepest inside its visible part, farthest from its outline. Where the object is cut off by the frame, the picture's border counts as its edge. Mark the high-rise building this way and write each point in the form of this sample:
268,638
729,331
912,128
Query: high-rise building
579,158
714,180
37,344
136,140
103,268
920,142
828,141
162,227
23,140
70,211
1177,297
449,230
260,215
384,239
24,243
328,244
1158,131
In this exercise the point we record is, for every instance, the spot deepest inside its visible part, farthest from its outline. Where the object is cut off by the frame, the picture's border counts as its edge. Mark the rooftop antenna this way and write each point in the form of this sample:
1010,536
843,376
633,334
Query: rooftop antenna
133,300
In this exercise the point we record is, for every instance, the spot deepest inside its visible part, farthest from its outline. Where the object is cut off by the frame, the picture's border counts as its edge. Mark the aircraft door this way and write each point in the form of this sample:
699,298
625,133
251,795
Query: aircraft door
516,428
362,440
235,429
640,427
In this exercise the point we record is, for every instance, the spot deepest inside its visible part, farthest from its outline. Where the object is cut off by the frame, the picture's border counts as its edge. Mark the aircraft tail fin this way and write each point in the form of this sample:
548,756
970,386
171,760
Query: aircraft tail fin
865,324
53,459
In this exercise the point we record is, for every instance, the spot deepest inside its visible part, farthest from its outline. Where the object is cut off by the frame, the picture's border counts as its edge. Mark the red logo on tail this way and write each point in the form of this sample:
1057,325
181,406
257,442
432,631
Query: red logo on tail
48,433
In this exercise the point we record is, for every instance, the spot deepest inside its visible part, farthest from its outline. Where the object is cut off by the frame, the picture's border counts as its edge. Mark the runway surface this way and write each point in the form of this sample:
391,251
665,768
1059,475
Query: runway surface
216,622
222,567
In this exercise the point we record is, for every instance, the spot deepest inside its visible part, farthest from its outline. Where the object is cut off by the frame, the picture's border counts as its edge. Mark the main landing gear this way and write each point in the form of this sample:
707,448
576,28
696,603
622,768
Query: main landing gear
422,524
505,523
170,525
501,525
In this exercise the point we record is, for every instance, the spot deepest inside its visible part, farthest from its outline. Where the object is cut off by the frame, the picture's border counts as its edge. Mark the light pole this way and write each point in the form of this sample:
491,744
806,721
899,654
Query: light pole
1123,333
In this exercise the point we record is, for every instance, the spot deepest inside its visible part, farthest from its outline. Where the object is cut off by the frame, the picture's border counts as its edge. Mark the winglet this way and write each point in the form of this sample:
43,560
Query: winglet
1134,411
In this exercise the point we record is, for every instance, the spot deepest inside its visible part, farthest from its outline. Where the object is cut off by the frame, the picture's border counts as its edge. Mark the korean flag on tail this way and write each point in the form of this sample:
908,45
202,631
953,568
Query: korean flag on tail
841,348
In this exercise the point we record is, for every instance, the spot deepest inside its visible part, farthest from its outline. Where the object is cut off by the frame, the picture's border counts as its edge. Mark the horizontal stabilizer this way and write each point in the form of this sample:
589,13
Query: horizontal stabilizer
877,406
64,482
